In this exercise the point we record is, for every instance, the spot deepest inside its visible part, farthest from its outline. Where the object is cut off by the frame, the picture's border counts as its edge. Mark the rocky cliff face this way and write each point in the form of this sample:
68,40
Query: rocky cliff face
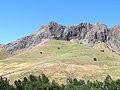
85,33
114,39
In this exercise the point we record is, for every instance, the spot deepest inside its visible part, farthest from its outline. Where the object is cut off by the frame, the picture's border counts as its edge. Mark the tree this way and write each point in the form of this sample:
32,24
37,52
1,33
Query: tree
18,85
33,78
28,86
45,79
4,84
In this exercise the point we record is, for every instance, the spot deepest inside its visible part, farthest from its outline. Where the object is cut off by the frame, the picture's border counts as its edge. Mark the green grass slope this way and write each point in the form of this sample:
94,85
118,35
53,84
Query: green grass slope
61,59
3,54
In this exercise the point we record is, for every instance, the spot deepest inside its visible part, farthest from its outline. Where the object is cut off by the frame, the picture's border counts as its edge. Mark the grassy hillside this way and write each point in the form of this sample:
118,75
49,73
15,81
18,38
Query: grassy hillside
3,54
61,59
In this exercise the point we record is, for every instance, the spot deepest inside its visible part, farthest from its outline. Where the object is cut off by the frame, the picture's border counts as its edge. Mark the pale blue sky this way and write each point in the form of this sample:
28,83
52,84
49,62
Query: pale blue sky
19,18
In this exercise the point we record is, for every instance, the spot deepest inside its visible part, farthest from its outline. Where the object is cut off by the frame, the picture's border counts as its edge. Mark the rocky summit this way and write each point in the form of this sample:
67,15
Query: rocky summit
1,45
84,33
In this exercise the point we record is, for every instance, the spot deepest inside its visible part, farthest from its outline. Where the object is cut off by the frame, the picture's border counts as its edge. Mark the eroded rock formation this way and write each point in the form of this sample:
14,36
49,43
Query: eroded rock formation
85,33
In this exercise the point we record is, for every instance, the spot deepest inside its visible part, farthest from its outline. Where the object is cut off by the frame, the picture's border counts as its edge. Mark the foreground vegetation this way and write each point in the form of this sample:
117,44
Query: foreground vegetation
43,83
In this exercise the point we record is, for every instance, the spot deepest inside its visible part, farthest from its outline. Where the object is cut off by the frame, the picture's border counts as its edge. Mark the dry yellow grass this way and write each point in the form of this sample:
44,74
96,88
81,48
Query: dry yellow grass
3,54
71,60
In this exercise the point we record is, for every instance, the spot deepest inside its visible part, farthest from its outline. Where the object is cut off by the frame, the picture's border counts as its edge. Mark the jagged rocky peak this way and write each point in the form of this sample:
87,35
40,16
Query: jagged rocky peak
114,38
98,33
101,25
52,23
85,33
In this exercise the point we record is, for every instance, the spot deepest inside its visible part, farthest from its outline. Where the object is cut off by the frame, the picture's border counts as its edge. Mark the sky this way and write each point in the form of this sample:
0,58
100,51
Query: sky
19,18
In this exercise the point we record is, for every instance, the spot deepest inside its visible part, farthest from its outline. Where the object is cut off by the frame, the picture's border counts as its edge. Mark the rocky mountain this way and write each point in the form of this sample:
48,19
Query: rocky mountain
1,45
85,33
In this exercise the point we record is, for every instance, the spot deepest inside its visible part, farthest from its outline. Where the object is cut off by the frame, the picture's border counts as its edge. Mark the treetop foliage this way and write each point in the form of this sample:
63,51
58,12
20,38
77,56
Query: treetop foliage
43,83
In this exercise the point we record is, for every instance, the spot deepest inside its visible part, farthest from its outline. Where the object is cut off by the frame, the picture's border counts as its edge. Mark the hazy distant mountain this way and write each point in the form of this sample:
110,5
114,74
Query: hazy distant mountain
84,33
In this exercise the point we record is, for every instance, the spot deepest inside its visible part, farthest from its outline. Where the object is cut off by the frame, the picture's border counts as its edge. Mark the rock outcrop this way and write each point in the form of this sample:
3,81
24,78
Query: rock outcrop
113,40
85,33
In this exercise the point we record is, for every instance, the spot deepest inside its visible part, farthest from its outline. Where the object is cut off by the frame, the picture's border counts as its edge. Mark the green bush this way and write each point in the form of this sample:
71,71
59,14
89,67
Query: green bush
42,83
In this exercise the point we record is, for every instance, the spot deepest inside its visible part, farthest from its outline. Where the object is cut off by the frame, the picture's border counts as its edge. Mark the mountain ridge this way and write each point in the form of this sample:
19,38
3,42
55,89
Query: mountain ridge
84,33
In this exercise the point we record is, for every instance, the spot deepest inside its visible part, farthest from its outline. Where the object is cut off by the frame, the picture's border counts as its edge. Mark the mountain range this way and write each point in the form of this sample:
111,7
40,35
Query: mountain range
83,33
84,51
